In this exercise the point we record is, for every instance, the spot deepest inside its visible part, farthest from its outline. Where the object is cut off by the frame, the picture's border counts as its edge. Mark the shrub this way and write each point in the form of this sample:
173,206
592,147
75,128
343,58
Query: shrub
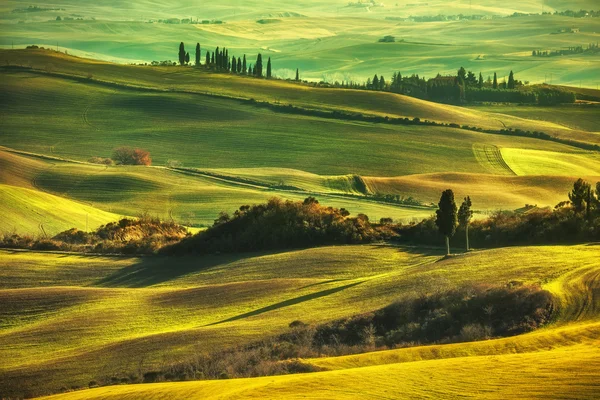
130,156
101,161
280,224
151,377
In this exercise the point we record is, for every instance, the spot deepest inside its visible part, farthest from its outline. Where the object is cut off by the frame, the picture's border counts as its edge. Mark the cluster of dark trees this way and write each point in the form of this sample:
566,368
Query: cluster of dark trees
280,224
591,48
220,60
465,86
574,221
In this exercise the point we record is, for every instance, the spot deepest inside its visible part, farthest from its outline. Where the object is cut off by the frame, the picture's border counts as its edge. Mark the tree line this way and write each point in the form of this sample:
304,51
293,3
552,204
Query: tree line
221,60
571,221
465,86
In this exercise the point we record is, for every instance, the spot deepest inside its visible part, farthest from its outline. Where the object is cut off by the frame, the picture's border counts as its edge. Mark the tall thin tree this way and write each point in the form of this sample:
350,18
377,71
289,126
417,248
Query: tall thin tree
198,54
297,75
181,53
244,67
511,80
269,68
495,84
464,217
258,66
446,219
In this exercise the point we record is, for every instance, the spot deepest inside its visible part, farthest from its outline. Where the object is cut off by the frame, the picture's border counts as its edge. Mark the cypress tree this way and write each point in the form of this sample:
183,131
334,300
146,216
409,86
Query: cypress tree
258,66
297,75
187,58
495,84
239,65
226,58
249,72
181,53
269,68
447,217
217,57
375,83
254,70
480,83
198,54
382,83
233,64
511,80
207,61
212,60
464,217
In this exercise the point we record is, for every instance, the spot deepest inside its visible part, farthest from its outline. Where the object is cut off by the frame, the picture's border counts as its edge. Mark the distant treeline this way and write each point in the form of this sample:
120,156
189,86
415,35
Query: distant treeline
463,87
591,48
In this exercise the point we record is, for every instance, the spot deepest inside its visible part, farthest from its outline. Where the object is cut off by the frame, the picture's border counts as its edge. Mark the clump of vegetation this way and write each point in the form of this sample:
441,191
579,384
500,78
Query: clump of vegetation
281,224
144,235
131,156
459,315
573,221
101,161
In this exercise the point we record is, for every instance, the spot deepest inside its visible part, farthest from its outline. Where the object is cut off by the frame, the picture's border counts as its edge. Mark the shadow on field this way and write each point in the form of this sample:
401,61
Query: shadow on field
150,271
287,303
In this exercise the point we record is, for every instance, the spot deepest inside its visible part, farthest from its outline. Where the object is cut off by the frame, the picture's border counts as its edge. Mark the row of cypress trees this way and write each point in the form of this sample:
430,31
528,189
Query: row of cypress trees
221,61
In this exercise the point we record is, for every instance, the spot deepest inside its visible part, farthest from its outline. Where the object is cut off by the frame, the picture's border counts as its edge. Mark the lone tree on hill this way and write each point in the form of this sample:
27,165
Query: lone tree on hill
464,217
129,156
297,75
198,54
495,84
181,53
258,67
511,80
269,68
446,217
580,195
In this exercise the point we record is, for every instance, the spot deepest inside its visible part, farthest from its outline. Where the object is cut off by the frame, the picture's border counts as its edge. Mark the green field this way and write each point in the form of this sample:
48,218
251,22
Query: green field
68,319
330,41
69,311
242,153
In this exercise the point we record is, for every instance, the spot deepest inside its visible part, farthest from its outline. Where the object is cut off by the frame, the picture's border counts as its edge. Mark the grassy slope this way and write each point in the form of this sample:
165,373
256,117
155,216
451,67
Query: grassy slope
193,200
166,313
34,212
188,79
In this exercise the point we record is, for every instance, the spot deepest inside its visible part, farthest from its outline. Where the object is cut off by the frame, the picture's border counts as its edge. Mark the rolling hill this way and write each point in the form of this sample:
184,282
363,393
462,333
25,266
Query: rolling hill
65,303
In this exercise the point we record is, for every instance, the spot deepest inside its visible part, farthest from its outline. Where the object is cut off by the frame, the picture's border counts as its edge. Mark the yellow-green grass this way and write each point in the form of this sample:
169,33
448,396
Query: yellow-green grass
536,375
488,192
535,162
164,311
192,80
39,213
192,200
577,116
